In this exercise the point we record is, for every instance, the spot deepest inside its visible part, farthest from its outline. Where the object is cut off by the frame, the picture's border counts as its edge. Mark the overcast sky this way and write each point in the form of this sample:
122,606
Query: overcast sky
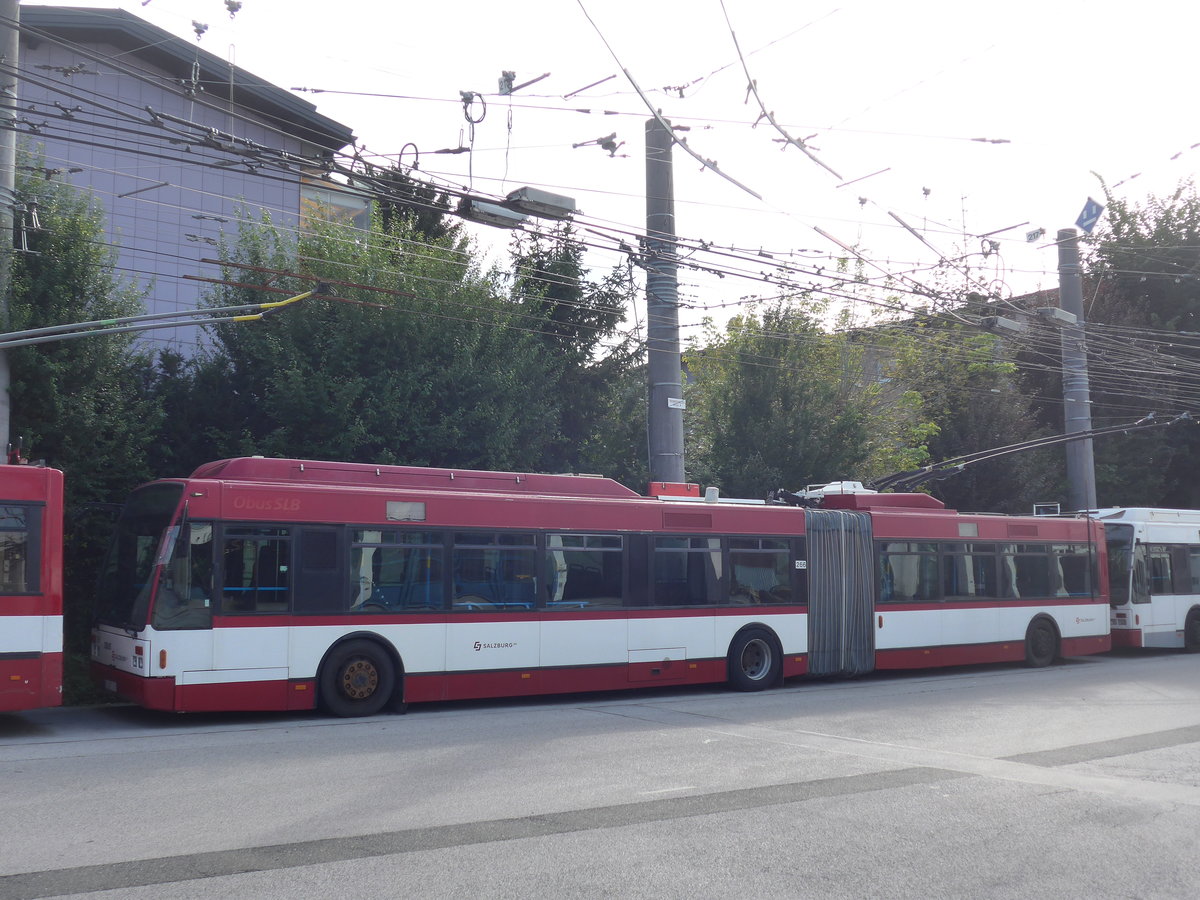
891,96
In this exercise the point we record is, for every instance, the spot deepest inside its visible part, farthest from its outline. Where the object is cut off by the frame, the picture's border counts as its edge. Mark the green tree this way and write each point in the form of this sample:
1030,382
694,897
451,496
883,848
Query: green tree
199,413
413,358
576,319
79,404
418,205
617,444
774,401
1144,268
968,385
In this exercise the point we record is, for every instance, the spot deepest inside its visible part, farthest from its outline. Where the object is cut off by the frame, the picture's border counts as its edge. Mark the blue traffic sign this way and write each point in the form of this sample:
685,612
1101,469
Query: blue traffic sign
1090,216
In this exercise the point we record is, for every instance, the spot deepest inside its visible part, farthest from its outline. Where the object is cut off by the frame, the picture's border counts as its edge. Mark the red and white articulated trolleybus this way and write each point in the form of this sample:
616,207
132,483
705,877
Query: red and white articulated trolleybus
1154,573
276,584
31,612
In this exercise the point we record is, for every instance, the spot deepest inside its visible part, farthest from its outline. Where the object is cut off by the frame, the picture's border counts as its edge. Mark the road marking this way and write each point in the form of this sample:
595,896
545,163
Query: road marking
674,790
1039,768
189,867
1138,743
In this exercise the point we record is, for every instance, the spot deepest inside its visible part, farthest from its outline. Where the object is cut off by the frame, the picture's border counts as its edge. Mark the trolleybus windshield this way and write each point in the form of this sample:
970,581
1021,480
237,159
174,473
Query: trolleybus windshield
123,593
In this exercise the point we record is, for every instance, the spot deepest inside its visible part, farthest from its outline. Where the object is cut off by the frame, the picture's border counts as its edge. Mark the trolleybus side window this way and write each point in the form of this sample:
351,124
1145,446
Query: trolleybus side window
1193,570
256,568
393,571
19,565
495,570
1140,592
760,570
638,562
687,571
1181,570
1170,568
908,572
1181,567
969,571
1159,558
1024,571
583,571
977,571
320,585
1070,570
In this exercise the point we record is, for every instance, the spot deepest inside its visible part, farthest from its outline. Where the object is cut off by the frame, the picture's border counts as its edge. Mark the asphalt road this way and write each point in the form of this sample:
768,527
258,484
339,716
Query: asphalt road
1080,780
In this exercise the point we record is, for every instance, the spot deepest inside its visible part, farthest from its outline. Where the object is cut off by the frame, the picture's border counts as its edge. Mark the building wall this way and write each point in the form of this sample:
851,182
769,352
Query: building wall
167,205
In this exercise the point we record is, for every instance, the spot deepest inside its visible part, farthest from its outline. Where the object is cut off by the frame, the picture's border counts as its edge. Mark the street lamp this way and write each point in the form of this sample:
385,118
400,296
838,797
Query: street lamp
489,213
543,204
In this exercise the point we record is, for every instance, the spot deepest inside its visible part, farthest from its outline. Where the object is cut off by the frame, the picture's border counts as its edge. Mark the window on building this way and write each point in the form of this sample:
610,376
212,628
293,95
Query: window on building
329,201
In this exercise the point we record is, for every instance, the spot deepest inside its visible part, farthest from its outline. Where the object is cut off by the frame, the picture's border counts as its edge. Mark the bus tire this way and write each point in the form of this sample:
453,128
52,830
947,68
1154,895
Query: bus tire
1041,643
755,660
1191,631
357,679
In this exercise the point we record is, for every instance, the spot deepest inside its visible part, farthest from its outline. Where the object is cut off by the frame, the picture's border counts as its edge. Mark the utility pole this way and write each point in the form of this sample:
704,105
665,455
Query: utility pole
664,413
1077,408
10,45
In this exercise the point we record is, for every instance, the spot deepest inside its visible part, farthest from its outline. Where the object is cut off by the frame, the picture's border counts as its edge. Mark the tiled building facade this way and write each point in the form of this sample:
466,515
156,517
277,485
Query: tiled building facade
171,140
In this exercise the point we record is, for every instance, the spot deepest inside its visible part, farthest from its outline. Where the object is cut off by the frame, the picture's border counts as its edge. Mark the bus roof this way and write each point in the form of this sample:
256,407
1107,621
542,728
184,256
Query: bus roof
1147,514
302,471
28,482
923,502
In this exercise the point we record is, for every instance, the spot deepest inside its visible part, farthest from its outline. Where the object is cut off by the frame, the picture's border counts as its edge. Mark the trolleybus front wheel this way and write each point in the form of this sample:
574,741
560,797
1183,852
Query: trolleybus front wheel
1041,643
1191,632
358,679
754,660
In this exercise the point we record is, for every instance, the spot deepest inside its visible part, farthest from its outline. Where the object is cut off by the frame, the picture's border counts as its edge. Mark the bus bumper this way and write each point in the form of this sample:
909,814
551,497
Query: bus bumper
152,693
30,680
1126,637
164,693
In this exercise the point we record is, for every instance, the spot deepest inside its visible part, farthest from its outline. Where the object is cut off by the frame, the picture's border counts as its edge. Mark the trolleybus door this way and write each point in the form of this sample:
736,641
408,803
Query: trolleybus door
255,605
841,592
1154,583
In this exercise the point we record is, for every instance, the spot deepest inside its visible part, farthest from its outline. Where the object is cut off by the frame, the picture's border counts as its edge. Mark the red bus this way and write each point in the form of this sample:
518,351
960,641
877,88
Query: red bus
31,612
277,584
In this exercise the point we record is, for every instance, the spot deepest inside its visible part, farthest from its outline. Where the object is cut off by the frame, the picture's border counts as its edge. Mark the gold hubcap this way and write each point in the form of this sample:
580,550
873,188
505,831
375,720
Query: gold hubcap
360,678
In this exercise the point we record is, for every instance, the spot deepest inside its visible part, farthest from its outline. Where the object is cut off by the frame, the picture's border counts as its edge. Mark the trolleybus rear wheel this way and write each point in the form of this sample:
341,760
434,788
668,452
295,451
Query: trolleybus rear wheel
358,679
754,660
1041,643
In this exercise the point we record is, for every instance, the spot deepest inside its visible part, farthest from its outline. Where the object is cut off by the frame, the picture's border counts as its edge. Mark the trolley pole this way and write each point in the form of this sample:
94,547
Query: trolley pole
664,413
1081,465
10,45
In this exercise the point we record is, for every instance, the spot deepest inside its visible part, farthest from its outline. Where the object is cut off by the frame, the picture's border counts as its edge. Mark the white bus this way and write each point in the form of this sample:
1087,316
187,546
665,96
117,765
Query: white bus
1154,576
